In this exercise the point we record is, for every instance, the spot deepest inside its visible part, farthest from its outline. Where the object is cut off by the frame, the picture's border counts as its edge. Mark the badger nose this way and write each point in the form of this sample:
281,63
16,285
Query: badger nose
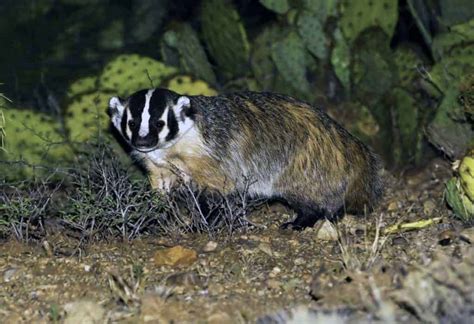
141,142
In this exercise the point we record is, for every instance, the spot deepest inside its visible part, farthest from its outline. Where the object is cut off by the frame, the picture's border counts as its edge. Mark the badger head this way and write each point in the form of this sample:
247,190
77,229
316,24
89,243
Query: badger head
151,119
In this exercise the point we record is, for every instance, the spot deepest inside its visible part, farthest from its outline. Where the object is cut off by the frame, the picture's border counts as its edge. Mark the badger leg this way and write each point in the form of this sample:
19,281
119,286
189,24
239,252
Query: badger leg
307,216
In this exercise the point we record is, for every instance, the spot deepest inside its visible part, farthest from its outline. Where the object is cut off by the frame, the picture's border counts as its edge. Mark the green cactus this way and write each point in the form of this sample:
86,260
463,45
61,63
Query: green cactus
341,59
291,59
86,116
225,36
449,129
462,206
407,62
449,70
406,111
322,9
359,15
466,96
185,84
82,86
455,11
33,141
128,73
458,36
372,66
261,62
278,6
311,31
183,43
112,37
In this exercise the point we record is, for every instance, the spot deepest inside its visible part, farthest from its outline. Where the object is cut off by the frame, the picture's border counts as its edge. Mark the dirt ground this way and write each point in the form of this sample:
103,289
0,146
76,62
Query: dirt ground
349,273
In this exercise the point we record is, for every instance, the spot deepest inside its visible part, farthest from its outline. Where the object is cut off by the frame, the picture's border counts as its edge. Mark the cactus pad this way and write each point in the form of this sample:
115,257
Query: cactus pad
32,138
82,86
185,84
359,15
129,73
225,37
183,42
86,116
290,57
311,31
278,6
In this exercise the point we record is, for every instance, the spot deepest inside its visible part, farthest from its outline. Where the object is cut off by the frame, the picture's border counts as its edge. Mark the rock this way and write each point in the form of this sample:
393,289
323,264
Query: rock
9,274
175,256
392,206
273,284
327,232
84,312
299,261
428,207
468,235
210,246
187,279
266,248
275,271
220,318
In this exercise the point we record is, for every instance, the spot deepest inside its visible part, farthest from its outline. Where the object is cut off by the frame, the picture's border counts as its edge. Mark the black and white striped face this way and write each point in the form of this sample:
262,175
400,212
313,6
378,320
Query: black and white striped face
151,119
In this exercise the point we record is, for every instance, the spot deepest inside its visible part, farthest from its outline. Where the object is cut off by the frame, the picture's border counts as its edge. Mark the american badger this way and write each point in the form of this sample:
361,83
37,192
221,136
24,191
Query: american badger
291,150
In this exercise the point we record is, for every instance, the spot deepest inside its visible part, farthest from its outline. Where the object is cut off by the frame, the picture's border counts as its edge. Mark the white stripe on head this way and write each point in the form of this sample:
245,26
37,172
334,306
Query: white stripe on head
145,124
127,126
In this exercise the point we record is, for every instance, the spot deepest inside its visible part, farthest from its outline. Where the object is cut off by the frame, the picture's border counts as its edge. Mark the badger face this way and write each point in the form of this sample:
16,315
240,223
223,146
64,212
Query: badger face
151,119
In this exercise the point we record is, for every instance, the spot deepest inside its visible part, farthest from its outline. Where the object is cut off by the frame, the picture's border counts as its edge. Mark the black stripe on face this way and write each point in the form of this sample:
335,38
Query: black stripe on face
136,105
172,125
123,124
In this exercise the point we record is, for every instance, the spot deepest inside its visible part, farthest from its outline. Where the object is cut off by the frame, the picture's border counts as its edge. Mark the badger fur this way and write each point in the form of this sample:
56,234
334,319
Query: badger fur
291,150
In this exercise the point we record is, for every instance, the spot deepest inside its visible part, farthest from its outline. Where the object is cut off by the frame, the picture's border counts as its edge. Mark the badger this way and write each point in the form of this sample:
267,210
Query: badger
292,151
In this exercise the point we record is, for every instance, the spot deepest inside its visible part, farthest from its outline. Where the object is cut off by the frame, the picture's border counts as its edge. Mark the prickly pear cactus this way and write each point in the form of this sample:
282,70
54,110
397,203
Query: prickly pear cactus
449,130
372,73
291,60
278,6
128,73
459,190
183,43
185,84
33,143
323,9
82,86
406,112
86,116
450,69
357,16
341,59
311,31
225,36
407,63
263,67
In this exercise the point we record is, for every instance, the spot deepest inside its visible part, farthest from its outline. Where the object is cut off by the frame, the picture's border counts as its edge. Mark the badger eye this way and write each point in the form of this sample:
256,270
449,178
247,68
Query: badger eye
131,123
160,124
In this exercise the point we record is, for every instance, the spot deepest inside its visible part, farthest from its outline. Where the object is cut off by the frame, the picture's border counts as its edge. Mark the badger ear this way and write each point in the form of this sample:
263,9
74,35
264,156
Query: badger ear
115,106
183,108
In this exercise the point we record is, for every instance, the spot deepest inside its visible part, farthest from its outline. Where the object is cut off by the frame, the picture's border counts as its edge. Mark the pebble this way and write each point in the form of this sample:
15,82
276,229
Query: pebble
428,207
210,246
327,232
275,272
9,273
299,261
175,256
467,235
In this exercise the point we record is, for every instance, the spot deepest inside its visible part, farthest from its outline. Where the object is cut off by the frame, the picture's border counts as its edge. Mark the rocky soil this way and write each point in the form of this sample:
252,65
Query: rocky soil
362,269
